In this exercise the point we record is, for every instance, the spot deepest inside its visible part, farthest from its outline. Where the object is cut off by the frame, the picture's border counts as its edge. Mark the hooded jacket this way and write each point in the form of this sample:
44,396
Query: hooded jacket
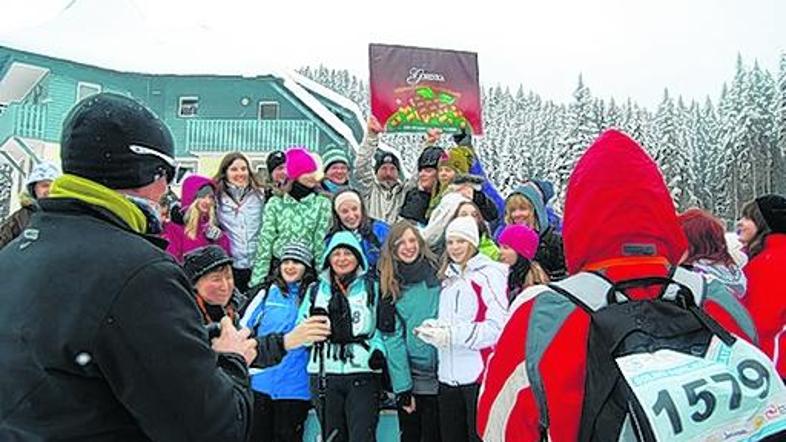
179,241
473,303
766,297
550,254
622,224
362,311
370,250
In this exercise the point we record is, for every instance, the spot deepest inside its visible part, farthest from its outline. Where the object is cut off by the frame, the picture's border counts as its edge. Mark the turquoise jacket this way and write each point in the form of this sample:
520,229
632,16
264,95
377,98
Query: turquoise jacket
411,362
364,316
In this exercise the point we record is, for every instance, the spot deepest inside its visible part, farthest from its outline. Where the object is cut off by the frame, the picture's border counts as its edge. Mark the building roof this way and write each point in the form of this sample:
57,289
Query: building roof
81,31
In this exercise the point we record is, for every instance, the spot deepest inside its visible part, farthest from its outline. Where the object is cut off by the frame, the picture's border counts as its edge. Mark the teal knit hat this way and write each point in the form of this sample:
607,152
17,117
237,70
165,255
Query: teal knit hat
335,155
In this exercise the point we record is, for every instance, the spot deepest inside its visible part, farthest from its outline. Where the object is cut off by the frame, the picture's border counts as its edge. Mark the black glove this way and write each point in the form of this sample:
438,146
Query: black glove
376,361
403,399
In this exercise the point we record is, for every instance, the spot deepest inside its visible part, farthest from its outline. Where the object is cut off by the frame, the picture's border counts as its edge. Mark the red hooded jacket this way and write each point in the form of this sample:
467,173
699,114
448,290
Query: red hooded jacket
619,218
766,298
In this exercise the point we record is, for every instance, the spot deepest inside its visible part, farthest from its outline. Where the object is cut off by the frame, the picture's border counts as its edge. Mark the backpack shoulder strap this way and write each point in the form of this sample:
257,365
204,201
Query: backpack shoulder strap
550,311
312,293
369,281
585,289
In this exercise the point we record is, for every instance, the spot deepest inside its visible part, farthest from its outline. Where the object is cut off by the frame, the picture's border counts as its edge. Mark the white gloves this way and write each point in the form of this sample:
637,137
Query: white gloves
433,332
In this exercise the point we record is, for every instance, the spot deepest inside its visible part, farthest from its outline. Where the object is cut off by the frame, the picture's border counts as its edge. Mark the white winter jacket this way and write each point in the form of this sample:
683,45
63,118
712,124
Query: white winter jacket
438,222
242,224
473,304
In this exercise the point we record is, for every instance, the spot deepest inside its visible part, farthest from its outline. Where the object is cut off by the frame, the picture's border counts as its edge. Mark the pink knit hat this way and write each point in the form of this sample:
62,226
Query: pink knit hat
299,161
520,238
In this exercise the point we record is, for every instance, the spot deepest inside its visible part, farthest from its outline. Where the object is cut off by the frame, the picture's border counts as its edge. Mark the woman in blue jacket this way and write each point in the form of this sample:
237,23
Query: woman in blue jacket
281,392
409,283
349,214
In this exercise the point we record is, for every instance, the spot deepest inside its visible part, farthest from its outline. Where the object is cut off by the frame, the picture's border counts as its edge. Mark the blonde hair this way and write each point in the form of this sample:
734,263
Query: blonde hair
387,265
192,219
446,259
518,201
536,275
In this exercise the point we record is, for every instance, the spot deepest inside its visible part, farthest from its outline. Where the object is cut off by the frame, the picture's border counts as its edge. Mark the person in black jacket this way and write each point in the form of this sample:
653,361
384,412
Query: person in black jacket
101,336
417,199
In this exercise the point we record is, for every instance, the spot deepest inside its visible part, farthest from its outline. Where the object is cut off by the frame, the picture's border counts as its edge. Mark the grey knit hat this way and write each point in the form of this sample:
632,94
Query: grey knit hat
299,252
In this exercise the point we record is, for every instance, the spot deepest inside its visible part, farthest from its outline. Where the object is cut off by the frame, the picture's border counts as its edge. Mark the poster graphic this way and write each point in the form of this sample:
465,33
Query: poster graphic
414,89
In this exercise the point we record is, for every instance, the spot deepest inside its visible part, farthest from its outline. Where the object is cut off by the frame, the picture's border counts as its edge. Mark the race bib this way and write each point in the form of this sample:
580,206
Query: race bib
732,394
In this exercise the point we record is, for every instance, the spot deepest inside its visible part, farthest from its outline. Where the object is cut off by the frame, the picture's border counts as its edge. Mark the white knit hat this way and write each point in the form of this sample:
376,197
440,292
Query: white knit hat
464,227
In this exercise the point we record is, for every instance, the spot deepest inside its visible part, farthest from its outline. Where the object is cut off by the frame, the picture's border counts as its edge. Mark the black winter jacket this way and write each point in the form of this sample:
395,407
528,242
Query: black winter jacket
101,339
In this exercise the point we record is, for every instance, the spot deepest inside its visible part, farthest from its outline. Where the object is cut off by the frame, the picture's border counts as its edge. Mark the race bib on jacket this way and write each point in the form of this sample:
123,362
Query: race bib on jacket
731,394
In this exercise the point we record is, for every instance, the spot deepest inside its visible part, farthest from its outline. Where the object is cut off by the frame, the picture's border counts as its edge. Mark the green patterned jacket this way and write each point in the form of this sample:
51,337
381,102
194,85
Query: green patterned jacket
287,220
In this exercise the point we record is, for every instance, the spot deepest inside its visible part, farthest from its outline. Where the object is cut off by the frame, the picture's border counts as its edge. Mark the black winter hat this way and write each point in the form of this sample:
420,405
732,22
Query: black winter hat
382,157
463,138
773,209
430,157
274,159
116,141
199,262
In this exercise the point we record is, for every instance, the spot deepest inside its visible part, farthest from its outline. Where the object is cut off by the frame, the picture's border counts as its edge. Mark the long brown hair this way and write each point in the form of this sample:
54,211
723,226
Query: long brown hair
388,262
751,211
221,179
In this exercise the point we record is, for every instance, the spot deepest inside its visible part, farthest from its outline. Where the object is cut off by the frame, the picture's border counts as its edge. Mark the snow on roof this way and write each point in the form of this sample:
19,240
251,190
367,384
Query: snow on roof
115,35
331,95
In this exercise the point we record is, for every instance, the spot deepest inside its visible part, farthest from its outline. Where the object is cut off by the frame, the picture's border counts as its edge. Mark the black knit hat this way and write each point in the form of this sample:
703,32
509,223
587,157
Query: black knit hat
382,157
199,262
274,159
773,209
429,157
116,141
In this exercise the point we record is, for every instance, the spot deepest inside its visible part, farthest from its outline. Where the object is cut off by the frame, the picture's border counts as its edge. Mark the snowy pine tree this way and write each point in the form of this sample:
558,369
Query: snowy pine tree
716,157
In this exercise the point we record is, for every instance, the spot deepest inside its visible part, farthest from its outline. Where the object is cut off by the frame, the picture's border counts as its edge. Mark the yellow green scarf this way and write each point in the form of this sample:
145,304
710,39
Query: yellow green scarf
90,192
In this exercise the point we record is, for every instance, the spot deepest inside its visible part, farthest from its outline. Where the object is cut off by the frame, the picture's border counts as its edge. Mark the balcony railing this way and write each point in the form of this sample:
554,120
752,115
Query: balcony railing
249,135
23,120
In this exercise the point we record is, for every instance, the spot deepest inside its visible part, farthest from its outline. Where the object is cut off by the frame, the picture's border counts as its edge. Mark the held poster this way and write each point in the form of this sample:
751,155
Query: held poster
414,89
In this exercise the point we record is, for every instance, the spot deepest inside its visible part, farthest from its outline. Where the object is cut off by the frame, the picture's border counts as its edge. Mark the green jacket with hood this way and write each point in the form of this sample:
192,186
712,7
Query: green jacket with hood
363,312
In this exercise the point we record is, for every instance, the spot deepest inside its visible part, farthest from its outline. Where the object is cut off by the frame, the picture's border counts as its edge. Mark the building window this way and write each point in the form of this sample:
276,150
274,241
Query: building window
268,110
188,107
84,90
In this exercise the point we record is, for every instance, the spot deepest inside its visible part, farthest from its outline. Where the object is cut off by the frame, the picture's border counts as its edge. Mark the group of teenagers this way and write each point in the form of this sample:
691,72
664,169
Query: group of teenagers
487,318
415,277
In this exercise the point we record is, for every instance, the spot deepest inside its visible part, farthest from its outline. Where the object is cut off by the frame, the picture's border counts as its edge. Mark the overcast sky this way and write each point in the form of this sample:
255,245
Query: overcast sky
623,48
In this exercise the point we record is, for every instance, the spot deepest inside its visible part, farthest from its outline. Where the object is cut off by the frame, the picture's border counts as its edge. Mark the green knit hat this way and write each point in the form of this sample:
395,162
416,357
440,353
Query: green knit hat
335,155
458,158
